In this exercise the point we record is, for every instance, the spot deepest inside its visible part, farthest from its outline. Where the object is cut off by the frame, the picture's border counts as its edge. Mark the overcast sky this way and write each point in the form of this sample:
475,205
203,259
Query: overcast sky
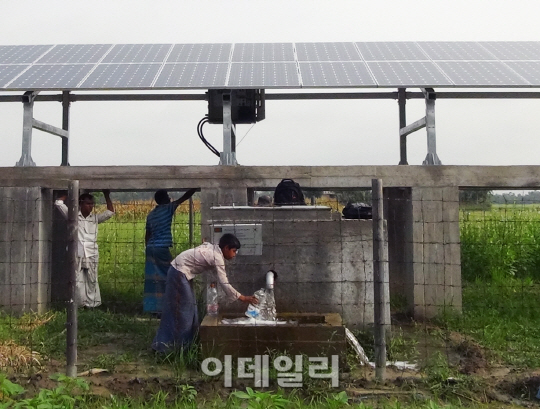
330,132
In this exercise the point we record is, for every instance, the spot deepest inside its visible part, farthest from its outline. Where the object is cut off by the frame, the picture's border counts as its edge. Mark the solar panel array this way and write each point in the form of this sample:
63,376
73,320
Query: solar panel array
270,65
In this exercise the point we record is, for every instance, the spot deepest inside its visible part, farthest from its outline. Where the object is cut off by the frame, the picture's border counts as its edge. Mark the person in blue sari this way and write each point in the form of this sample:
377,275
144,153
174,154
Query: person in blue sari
158,240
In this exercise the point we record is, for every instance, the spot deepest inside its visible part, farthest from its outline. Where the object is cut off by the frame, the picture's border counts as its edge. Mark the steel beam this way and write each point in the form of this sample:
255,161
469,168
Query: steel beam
42,126
65,126
28,116
228,156
415,126
402,124
431,158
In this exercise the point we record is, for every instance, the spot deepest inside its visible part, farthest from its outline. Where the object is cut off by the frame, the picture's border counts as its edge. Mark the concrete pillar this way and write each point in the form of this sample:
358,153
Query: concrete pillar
398,214
25,249
435,251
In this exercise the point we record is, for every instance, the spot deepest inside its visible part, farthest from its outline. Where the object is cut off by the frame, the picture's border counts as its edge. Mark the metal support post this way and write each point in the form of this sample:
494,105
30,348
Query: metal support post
73,237
28,117
431,158
228,156
379,299
402,124
191,221
65,126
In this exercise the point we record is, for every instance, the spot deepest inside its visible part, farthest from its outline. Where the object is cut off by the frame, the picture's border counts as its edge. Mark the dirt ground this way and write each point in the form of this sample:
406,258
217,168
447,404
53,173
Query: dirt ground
496,383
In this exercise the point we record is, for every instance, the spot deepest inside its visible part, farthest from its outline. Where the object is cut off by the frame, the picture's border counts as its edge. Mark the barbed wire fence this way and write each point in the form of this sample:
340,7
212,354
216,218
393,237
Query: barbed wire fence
462,280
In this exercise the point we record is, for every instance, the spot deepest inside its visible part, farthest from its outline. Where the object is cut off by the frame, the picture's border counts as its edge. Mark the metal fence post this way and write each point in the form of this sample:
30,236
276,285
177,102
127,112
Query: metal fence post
191,220
71,322
378,280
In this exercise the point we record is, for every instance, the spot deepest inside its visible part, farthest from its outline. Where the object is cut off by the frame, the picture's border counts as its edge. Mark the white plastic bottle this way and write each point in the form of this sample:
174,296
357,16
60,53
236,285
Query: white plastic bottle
212,306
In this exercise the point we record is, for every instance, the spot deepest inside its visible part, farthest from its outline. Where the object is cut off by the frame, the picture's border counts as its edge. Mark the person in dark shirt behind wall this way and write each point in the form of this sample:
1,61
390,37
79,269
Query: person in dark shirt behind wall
158,240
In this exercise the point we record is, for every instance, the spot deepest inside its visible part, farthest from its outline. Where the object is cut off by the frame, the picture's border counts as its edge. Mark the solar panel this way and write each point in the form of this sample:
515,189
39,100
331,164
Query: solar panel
391,51
70,54
52,76
263,75
327,52
270,65
463,50
335,74
190,75
9,72
529,70
263,52
21,54
515,50
481,73
123,76
200,53
406,73
137,53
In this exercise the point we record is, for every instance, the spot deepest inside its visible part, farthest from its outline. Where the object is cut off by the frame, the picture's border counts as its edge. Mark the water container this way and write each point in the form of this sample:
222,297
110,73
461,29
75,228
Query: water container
212,306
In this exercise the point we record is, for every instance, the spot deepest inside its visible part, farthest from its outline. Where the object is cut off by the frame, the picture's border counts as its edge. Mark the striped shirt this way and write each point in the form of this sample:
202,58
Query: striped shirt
158,225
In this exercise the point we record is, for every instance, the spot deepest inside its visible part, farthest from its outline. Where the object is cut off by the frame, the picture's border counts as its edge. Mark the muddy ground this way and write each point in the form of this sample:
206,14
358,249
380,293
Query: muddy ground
143,379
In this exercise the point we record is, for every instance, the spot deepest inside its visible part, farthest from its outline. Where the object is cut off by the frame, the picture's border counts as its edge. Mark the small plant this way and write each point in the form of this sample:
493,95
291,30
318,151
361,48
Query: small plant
62,397
262,400
187,393
8,389
337,400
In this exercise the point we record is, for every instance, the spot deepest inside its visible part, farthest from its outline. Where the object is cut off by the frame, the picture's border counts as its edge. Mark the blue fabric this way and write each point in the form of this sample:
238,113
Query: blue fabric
179,320
158,224
158,261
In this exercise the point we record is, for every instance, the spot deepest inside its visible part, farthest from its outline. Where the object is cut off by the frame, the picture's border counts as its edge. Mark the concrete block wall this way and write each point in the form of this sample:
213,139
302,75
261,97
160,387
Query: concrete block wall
436,267
25,248
324,263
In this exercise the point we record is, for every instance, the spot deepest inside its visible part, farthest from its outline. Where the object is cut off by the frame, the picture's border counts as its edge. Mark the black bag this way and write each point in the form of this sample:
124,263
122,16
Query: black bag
357,211
288,192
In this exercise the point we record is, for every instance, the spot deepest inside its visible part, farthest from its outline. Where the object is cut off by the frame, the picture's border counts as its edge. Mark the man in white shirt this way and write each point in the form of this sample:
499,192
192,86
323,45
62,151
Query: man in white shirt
87,292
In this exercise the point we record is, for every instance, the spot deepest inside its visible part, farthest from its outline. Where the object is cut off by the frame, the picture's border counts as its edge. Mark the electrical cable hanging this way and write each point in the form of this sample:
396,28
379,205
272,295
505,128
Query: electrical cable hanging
201,135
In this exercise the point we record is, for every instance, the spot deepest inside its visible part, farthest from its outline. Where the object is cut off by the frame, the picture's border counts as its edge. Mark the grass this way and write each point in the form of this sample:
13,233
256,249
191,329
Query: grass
501,312
122,252
500,244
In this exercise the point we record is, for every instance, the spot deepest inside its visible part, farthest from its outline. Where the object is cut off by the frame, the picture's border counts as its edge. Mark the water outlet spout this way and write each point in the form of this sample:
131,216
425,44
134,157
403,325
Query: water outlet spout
270,278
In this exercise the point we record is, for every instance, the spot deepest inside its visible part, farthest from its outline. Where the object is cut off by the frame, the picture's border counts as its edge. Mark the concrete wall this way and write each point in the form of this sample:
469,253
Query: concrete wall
324,263
421,210
436,253
25,247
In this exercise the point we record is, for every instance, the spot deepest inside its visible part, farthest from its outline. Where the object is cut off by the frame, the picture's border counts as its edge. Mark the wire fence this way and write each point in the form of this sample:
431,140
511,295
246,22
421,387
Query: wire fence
460,294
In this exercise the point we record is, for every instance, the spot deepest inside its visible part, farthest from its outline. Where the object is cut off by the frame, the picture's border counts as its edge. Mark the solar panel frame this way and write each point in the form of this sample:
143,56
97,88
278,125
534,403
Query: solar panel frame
121,76
216,52
192,76
9,72
327,52
391,51
448,50
408,74
285,74
22,54
481,74
263,52
51,77
75,54
529,70
137,53
336,74
274,65
515,50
